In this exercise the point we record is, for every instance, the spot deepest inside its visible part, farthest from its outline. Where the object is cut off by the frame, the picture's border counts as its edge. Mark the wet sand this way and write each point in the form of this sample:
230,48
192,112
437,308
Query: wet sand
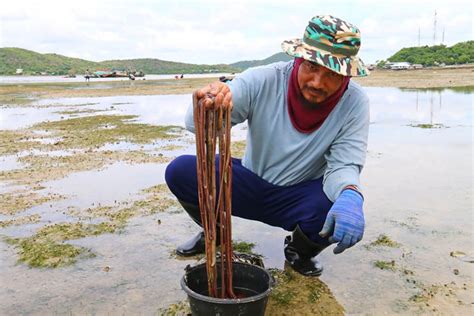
24,93
420,78
418,193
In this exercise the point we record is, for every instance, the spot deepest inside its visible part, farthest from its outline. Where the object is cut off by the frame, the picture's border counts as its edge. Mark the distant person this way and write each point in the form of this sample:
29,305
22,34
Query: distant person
307,136
182,76
87,76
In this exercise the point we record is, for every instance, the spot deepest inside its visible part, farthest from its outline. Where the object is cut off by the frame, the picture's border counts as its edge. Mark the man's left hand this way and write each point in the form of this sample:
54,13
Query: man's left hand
345,221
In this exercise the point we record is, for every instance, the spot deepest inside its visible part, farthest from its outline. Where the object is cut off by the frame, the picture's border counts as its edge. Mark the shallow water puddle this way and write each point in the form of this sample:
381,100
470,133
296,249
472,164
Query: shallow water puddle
16,118
150,109
118,182
9,162
404,107
51,153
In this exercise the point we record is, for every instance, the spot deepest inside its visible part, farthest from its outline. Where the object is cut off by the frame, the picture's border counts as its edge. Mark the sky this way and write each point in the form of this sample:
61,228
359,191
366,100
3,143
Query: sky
219,31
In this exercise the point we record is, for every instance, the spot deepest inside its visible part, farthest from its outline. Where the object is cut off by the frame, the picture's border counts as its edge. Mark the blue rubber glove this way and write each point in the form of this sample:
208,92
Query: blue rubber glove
345,221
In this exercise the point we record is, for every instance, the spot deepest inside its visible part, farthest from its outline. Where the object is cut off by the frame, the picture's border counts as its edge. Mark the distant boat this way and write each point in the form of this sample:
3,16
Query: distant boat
117,74
101,74
137,73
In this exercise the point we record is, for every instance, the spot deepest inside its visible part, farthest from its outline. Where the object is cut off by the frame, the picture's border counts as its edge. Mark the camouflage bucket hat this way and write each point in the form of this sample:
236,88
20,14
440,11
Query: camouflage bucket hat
330,42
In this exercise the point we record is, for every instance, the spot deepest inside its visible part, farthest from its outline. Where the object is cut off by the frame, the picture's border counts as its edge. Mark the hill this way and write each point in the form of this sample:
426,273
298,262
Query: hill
31,62
460,53
242,65
158,66
12,58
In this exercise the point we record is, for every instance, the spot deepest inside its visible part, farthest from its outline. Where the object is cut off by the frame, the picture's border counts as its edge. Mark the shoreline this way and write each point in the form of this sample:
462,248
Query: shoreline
420,78
20,93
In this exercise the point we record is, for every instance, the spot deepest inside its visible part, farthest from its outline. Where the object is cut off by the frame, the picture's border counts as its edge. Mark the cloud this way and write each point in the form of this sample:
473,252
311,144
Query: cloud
216,31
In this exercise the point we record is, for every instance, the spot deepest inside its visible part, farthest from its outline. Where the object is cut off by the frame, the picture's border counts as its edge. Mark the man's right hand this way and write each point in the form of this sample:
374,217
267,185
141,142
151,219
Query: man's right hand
217,93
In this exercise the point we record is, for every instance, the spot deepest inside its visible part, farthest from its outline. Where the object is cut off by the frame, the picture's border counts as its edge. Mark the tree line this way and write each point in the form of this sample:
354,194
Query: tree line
460,53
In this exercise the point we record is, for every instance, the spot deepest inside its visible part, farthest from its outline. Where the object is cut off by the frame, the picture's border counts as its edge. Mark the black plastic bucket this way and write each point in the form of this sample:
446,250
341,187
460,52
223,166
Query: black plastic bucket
253,282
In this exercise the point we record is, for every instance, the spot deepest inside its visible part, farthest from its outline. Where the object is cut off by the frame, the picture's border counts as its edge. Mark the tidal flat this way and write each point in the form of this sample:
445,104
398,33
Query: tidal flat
87,224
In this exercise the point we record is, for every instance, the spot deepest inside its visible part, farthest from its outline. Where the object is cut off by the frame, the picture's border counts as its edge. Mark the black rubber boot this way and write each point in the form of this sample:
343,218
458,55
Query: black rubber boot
197,244
194,246
300,253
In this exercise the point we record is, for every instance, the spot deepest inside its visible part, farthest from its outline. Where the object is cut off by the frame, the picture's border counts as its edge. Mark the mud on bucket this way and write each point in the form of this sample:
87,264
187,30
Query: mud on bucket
252,282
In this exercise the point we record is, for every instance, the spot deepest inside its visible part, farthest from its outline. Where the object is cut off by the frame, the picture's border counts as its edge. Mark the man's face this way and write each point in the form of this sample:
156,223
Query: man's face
316,82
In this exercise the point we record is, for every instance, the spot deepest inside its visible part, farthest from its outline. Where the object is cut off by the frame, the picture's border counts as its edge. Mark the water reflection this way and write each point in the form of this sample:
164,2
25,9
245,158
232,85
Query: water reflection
107,186
465,90
388,106
403,107
9,162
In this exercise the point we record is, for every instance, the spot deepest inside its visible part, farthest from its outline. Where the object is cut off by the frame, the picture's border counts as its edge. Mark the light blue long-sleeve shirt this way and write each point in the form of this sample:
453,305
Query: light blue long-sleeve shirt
279,153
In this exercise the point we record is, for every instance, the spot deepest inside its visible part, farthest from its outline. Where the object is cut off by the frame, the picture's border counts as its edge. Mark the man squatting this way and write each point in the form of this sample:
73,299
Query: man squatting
306,145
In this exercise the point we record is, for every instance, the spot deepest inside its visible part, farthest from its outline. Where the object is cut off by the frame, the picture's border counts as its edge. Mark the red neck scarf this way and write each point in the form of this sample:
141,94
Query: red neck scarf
303,118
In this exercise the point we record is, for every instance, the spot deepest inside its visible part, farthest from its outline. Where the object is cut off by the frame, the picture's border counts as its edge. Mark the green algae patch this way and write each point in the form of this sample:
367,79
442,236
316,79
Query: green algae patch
384,241
12,142
81,111
18,201
98,130
299,295
243,246
47,248
171,147
40,168
118,215
158,199
30,219
427,126
161,188
155,205
47,253
69,231
435,298
426,293
385,265
153,200
238,148
180,308
14,98
122,216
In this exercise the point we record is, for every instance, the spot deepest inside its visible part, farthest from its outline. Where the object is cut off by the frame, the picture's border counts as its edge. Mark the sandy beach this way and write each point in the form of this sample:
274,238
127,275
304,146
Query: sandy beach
87,225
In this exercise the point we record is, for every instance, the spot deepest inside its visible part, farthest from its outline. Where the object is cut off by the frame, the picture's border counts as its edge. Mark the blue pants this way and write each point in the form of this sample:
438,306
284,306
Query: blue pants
303,204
